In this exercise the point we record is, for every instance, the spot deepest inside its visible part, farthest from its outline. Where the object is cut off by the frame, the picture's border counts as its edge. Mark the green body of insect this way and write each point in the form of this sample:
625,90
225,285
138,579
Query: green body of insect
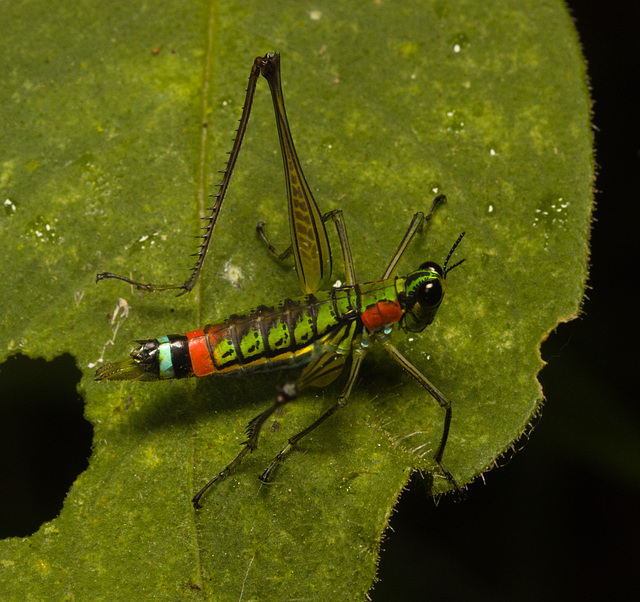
321,330
294,332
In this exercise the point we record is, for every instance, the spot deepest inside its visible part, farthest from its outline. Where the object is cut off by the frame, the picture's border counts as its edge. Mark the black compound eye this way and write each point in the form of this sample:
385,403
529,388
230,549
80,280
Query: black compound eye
430,294
424,293
432,266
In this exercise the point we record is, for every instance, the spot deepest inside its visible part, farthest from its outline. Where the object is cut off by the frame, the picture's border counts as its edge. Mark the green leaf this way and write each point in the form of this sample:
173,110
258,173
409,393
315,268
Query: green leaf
106,165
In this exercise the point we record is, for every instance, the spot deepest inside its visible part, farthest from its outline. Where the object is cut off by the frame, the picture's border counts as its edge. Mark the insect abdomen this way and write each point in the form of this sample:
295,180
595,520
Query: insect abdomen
267,338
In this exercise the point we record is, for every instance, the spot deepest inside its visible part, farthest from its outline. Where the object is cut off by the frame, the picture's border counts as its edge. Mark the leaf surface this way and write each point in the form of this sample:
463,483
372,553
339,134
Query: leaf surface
114,120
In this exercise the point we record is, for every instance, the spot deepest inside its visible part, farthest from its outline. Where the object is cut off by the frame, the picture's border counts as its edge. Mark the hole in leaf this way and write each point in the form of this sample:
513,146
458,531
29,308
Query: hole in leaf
45,442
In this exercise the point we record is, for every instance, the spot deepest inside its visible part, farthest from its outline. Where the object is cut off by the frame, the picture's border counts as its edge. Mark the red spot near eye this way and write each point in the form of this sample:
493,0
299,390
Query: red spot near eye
381,314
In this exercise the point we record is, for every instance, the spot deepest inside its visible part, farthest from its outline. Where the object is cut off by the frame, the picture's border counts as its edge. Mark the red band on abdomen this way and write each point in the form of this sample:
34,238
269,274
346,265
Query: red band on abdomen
201,360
